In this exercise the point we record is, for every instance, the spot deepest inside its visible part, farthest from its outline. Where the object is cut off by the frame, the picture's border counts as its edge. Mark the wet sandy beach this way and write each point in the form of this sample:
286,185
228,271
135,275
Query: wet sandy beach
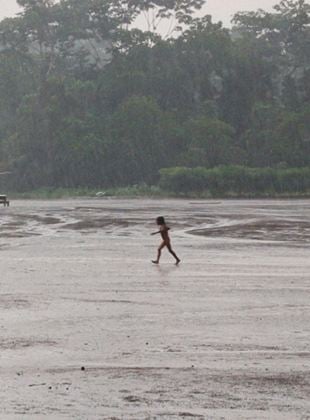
90,329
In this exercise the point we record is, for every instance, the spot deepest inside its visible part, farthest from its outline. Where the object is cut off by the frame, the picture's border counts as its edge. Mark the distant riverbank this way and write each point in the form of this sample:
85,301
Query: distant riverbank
181,182
143,192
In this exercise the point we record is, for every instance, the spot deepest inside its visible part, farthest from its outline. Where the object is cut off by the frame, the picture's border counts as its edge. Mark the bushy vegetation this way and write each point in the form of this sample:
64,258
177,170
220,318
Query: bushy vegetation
88,101
58,193
236,180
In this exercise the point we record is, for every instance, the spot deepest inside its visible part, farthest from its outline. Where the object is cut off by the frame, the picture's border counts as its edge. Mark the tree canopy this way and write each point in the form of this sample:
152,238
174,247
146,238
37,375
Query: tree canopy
88,99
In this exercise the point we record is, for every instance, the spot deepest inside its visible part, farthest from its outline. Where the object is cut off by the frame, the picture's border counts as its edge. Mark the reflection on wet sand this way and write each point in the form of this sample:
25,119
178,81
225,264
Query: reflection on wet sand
278,221
261,229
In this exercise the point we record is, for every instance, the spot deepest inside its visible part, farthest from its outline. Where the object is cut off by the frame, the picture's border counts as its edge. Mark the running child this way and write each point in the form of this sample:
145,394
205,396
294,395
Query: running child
163,230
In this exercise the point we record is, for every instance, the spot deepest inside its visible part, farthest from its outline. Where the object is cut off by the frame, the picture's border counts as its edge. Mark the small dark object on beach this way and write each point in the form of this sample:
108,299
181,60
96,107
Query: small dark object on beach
82,368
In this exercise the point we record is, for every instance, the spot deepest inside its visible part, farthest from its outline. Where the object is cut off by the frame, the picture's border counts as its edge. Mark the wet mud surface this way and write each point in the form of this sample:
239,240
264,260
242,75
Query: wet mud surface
91,330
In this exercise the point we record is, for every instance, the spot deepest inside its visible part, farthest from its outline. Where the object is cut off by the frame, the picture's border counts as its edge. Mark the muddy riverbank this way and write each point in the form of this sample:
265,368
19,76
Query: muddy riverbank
224,335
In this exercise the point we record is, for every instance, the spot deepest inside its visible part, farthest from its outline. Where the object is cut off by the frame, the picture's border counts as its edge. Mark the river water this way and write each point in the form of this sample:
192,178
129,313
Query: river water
90,329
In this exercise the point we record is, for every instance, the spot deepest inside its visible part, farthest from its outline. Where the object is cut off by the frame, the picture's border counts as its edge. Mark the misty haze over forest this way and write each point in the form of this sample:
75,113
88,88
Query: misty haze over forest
220,10
89,101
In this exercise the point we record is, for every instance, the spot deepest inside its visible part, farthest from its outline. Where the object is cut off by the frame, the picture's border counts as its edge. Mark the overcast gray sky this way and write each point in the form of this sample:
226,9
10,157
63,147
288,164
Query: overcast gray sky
219,9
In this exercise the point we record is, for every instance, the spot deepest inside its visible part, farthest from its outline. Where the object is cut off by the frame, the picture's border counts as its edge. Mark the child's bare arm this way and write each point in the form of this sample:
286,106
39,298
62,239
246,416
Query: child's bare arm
155,233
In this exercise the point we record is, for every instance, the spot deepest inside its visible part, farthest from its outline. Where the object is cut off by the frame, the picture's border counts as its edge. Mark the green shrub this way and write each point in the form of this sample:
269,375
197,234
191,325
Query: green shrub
235,180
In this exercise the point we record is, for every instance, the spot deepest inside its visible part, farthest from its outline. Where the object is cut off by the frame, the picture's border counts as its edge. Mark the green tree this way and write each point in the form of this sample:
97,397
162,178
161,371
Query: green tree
211,142
285,34
292,138
139,142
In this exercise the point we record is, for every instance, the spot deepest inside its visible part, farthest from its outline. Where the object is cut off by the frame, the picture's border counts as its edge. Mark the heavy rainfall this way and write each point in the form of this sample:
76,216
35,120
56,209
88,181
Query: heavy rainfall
112,130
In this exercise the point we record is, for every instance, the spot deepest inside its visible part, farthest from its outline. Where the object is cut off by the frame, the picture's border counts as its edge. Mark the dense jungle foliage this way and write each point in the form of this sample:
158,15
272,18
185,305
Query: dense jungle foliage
89,100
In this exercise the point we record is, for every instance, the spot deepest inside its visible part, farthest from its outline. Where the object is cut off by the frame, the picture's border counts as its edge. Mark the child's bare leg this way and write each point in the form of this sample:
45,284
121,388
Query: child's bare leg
159,253
174,254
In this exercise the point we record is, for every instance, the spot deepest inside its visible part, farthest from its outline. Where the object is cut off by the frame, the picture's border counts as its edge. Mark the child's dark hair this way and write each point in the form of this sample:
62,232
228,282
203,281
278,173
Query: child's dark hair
160,220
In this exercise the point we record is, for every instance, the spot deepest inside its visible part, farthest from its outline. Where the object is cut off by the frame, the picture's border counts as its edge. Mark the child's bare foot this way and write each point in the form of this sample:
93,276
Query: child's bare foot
154,262
178,261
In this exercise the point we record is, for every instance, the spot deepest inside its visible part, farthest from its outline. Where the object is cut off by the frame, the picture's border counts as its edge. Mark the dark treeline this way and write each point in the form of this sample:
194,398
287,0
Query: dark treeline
86,100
